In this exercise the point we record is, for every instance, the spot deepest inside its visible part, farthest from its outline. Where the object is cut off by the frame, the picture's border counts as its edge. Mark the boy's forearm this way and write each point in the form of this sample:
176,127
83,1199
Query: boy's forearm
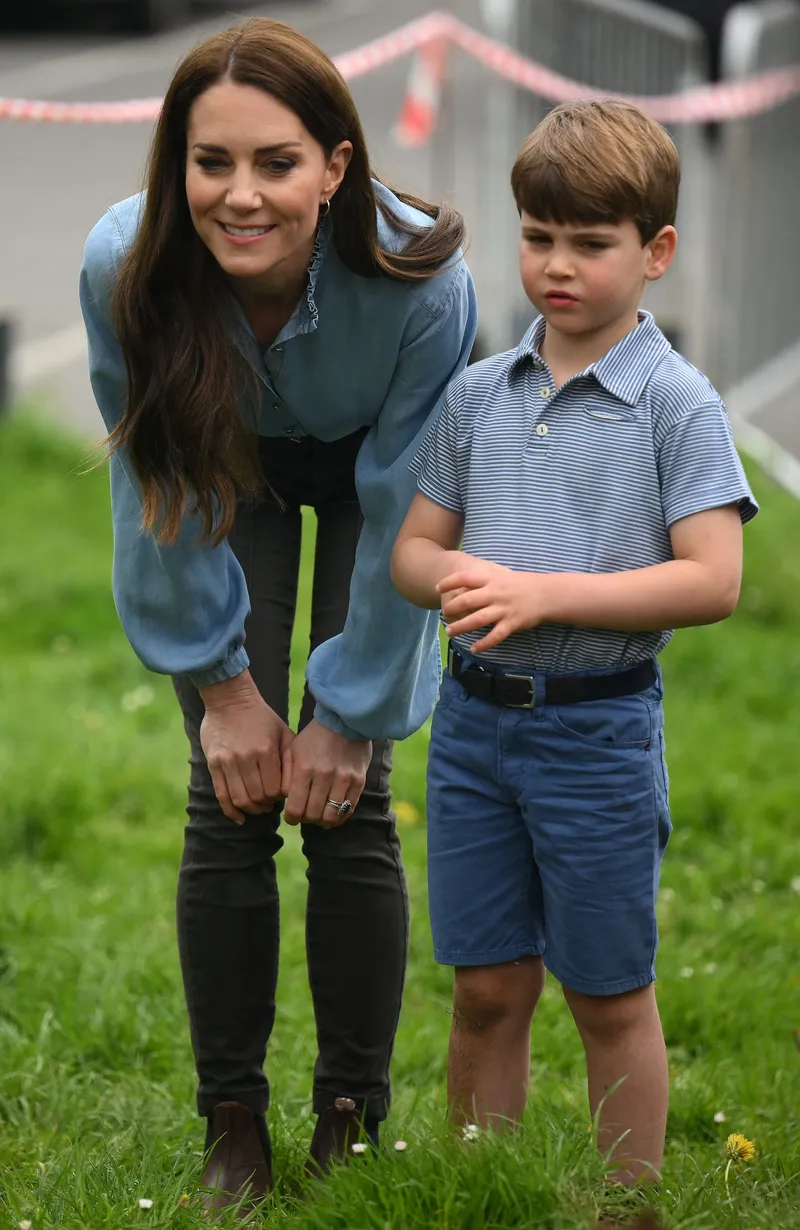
677,594
418,565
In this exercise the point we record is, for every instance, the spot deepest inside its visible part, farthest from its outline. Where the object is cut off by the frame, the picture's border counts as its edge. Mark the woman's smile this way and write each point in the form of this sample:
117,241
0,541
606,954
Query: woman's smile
245,234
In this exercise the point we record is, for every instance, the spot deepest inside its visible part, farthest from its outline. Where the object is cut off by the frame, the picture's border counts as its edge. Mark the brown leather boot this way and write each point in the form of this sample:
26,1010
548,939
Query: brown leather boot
338,1128
237,1165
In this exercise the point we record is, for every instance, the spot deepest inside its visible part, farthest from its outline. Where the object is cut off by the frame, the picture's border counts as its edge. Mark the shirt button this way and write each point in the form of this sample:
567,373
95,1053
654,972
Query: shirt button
546,392
277,407
288,431
542,429
279,349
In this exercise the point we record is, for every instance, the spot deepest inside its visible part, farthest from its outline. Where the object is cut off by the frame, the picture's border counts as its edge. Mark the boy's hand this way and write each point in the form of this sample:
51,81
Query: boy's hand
490,595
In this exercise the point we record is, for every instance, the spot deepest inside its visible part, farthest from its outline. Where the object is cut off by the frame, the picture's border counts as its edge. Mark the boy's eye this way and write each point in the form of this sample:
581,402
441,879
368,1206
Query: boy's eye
539,240
596,245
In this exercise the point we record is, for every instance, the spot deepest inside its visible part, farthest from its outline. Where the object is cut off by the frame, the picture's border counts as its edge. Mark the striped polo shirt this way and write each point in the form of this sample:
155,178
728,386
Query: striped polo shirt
585,478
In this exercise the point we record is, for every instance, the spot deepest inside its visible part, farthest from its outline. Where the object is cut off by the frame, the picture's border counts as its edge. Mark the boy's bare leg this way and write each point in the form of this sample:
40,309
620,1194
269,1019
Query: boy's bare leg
624,1043
489,1061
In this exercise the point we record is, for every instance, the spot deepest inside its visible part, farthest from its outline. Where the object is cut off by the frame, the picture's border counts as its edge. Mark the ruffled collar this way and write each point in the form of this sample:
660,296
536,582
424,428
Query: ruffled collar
305,317
311,313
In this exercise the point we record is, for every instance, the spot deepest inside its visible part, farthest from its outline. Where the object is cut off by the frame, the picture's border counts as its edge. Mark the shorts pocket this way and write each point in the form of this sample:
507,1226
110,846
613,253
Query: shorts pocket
450,693
625,722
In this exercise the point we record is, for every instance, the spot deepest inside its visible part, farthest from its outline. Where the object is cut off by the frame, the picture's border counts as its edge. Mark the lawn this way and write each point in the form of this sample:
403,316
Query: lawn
96,1078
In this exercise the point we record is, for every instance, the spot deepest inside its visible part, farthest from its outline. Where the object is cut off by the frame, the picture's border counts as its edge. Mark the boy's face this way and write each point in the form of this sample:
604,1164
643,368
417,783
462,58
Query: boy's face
585,276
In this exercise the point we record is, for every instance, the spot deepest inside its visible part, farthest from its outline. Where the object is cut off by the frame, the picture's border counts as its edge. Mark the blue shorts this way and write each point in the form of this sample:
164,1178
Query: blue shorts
546,829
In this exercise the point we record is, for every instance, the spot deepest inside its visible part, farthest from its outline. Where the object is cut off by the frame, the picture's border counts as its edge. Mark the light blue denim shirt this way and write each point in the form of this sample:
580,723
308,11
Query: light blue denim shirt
358,352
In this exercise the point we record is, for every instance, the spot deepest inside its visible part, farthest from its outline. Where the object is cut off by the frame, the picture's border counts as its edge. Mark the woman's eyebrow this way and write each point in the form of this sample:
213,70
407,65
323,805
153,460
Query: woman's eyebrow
263,149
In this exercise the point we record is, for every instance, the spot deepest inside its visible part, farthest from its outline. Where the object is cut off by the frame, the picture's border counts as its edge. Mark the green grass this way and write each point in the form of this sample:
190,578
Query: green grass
96,1078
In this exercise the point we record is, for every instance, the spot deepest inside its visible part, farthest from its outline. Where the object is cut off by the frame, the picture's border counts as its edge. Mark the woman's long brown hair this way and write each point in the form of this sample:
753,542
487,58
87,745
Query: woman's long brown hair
189,443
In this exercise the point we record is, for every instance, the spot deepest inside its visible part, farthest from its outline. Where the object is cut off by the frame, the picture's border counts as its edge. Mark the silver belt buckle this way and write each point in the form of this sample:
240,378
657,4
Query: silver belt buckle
527,704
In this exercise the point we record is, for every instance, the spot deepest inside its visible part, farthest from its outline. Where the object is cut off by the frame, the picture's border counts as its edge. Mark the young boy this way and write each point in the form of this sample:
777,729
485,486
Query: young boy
591,479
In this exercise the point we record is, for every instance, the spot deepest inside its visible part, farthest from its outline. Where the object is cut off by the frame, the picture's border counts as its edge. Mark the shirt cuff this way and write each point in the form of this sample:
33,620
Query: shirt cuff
326,717
443,499
236,661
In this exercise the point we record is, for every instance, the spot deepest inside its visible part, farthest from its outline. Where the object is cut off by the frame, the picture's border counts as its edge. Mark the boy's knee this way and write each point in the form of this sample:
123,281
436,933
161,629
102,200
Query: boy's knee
609,1017
488,995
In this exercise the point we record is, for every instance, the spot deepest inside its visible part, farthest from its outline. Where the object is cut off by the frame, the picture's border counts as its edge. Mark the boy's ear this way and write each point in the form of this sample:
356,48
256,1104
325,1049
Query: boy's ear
661,249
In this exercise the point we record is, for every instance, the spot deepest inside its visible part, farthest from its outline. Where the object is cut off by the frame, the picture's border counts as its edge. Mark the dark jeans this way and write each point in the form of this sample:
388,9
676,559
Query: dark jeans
357,911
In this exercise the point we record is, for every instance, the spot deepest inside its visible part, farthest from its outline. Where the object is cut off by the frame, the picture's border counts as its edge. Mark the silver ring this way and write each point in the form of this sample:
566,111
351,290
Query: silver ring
343,809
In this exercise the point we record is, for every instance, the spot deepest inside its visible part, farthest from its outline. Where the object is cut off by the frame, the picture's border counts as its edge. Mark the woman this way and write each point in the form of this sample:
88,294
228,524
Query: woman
270,327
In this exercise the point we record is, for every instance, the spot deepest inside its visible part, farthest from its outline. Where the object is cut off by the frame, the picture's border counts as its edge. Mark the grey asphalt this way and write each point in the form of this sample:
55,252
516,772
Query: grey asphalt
65,176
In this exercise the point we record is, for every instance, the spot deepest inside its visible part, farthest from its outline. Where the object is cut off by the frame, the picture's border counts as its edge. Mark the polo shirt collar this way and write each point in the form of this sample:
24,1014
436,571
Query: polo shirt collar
530,345
623,371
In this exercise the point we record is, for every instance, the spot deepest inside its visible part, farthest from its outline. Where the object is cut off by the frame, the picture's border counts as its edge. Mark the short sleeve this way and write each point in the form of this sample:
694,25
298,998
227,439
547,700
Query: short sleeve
699,467
436,462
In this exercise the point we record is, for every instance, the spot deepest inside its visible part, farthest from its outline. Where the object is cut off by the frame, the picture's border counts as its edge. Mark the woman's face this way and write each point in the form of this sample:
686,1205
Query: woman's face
255,182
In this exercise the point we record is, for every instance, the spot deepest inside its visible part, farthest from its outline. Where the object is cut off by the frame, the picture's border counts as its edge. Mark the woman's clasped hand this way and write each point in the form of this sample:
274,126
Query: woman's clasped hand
256,760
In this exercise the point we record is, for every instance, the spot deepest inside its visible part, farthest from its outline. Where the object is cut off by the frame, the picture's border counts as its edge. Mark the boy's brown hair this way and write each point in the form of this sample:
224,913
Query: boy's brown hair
604,160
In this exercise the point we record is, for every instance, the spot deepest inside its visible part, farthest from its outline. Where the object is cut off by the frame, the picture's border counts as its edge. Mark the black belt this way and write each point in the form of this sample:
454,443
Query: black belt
519,691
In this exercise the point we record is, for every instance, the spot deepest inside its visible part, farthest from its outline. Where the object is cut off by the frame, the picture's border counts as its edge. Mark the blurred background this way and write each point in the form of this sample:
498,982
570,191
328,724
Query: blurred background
729,302
96,1078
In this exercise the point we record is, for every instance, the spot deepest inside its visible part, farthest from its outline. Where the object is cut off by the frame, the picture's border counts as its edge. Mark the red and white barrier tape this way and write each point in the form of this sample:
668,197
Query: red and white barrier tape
726,100
353,64
134,111
392,46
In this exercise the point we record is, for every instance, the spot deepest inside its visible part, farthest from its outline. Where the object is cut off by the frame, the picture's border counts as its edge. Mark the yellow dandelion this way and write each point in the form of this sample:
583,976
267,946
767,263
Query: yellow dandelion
406,813
739,1148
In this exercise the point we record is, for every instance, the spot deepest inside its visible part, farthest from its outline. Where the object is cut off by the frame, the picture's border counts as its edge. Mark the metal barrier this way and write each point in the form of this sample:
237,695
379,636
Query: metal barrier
634,47
628,46
757,257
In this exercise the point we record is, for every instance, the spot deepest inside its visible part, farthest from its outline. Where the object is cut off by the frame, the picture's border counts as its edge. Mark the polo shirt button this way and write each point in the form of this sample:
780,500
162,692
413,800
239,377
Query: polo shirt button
542,429
277,407
546,392
288,431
